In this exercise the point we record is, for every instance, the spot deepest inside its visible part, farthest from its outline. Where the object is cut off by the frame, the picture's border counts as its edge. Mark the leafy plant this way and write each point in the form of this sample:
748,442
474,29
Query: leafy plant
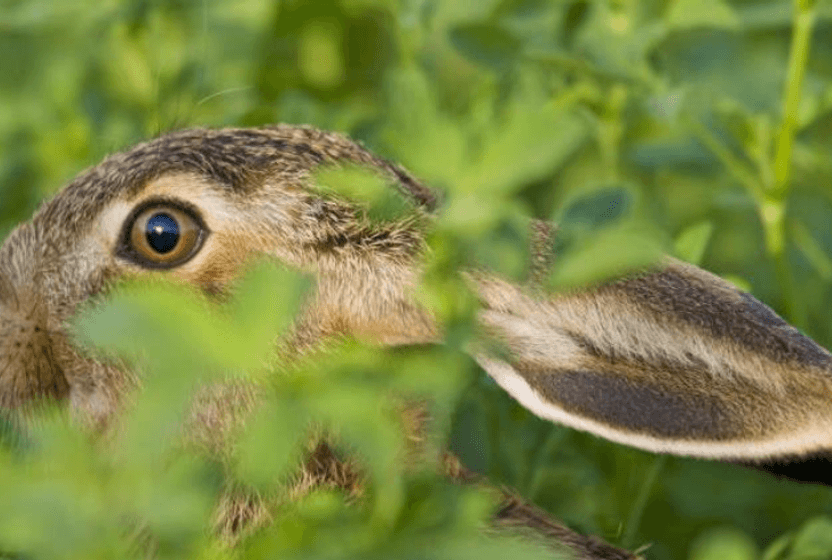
690,127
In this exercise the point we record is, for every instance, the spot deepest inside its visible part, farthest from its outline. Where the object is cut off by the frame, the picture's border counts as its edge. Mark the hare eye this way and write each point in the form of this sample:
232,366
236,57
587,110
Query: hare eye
162,235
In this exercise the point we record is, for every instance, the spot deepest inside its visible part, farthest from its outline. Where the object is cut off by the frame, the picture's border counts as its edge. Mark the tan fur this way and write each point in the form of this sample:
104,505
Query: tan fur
671,360
718,376
253,190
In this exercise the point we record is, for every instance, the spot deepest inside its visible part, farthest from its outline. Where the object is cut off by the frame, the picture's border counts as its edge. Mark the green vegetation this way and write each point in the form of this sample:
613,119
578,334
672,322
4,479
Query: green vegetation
701,128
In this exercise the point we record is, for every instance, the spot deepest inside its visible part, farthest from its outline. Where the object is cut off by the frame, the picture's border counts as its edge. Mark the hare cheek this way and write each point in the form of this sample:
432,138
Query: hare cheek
219,262
28,369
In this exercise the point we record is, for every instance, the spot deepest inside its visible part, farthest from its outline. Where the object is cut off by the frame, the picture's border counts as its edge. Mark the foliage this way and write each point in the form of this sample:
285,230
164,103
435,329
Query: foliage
700,128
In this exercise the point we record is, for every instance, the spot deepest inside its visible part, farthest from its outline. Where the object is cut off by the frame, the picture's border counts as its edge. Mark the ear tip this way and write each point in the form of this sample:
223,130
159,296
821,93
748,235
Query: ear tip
815,468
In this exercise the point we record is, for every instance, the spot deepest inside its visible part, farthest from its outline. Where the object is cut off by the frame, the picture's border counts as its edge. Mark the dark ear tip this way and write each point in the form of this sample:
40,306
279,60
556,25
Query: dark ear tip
816,468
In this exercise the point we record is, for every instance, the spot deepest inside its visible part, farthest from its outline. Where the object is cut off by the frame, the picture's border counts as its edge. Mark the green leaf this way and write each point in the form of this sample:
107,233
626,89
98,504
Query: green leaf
595,209
486,44
271,445
814,540
162,316
381,199
686,14
319,52
813,252
532,142
724,544
266,303
691,243
606,255
416,122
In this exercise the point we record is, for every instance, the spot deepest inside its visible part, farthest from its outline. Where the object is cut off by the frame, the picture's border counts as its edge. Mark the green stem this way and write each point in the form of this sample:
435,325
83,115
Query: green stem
772,210
773,216
804,22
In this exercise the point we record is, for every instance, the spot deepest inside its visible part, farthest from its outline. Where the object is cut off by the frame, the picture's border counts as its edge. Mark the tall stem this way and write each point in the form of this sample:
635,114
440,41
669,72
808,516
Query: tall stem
772,209
804,21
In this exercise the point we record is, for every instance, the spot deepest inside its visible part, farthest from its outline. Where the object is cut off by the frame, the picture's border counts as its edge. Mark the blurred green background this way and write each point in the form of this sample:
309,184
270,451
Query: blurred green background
699,127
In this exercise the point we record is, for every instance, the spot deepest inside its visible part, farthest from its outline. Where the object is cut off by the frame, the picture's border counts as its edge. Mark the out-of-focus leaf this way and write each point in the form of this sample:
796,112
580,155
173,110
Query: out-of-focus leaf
320,57
268,299
819,259
724,544
383,201
606,255
596,209
486,44
691,243
415,122
684,14
155,314
271,446
813,541
533,141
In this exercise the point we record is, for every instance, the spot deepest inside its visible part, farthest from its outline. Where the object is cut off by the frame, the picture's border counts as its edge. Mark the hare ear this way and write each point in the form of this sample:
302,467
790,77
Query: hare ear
675,361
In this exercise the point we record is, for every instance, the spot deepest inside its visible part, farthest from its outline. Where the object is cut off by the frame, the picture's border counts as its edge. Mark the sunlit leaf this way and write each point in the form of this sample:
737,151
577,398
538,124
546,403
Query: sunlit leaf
724,544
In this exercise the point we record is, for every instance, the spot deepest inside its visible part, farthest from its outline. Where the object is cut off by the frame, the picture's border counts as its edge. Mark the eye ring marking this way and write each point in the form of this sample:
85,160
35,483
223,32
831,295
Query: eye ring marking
162,234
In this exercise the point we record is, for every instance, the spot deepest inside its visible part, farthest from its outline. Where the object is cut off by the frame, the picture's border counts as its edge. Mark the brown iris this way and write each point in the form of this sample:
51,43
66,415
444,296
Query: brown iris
162,235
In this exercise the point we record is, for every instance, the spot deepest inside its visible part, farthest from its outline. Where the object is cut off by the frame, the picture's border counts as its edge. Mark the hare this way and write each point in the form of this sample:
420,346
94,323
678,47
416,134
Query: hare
675,360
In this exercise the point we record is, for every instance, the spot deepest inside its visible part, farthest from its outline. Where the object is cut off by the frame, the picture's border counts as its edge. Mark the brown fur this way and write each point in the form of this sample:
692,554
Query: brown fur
253,190
671,360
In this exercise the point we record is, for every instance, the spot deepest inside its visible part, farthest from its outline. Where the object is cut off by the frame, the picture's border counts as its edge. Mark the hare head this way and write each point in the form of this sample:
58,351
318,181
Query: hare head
674,360
197,205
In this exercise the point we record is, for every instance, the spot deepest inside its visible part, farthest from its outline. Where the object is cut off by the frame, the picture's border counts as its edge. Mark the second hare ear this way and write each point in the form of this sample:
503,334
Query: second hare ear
676,361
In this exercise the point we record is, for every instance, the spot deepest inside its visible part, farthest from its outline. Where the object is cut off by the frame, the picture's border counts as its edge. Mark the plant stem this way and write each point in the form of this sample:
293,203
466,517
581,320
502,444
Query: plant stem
772,211
804,21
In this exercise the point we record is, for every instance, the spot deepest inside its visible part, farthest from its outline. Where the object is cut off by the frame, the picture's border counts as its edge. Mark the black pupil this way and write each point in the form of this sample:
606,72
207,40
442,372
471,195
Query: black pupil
162,233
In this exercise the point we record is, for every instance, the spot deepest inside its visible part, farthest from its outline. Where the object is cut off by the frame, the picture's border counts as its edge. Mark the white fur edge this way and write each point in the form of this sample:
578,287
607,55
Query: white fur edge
798,442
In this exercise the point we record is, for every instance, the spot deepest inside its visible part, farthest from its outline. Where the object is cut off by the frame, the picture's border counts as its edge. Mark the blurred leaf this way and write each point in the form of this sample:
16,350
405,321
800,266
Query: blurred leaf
724,544
382,199
155,312
271,446
820,261
692,242
685,14
486,44
532,141
415,122
596,209
267,302
320,56
608,254
813,541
